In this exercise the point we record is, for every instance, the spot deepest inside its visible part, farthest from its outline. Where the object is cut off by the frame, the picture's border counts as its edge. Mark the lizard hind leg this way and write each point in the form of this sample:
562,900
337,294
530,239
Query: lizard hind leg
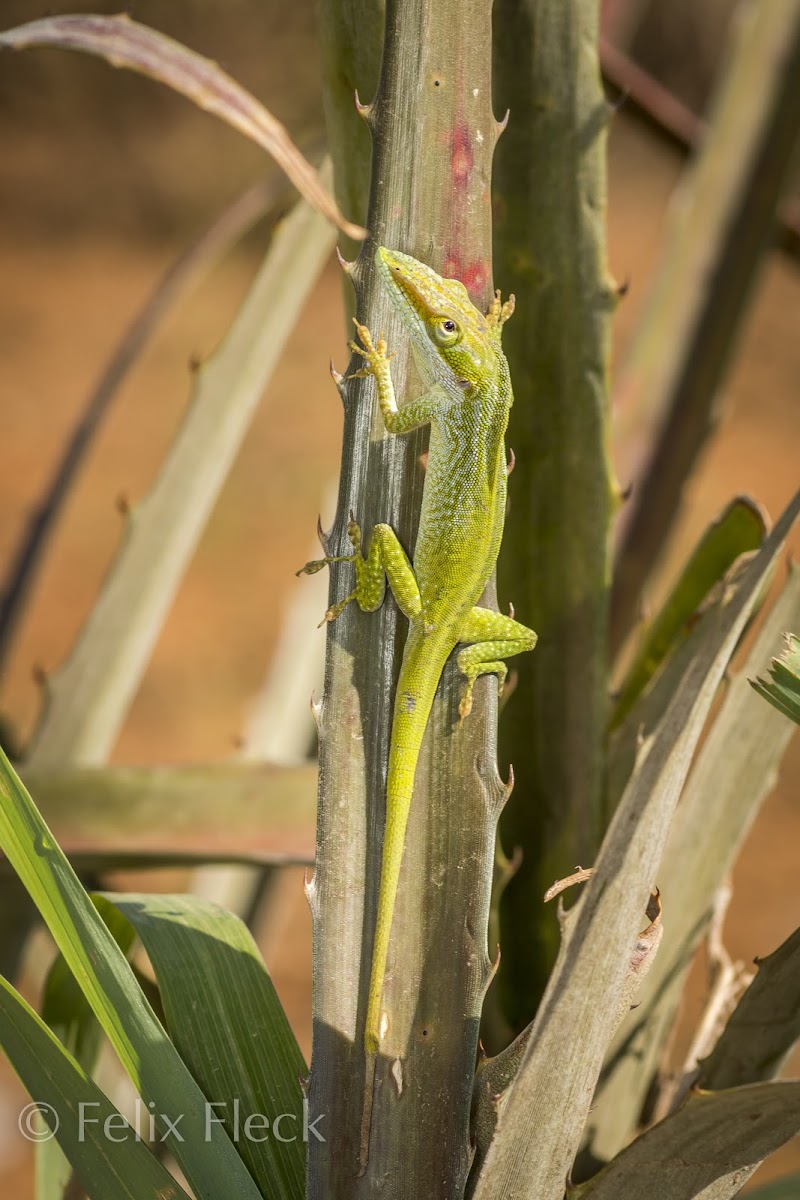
386,559
493,637
489,667
316,564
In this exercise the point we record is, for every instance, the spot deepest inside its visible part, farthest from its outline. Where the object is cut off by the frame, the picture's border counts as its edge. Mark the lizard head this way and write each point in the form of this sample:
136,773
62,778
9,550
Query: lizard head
452,337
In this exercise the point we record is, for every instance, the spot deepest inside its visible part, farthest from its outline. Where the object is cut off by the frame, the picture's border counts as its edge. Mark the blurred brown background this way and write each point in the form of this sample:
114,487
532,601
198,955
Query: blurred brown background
104,177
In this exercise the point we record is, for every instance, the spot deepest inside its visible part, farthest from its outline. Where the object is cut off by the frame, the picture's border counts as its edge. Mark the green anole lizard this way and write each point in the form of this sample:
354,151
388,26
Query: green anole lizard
467,403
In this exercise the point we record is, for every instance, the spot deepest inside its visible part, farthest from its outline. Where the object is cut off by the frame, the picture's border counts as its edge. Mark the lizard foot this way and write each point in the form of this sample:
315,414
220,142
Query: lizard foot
375,354
317,564
499,312
337,609
465,706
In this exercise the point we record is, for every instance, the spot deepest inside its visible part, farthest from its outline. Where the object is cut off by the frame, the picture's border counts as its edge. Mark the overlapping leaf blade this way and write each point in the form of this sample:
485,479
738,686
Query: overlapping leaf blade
558,1075
733,773
108,1157
225,1017
207,1156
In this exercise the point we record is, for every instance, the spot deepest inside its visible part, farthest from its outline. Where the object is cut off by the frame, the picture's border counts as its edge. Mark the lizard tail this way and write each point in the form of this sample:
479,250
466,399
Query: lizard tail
419,677
423,662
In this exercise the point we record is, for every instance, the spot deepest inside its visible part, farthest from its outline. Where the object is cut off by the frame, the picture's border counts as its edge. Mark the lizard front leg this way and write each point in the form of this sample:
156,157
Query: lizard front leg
494,637
377,358
386,560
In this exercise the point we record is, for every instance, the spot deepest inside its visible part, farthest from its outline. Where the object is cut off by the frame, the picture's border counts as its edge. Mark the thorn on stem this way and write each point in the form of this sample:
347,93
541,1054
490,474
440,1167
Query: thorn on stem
363,110
316,712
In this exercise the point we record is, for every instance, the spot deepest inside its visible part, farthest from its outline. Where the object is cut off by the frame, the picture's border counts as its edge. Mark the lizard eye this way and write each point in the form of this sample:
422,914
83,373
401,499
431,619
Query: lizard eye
446,331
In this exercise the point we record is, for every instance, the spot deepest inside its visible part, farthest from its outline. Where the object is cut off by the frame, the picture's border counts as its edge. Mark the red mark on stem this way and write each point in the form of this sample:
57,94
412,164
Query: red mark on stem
462,159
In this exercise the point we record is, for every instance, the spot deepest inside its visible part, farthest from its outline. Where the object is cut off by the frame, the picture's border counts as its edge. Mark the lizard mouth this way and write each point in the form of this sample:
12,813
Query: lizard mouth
399,271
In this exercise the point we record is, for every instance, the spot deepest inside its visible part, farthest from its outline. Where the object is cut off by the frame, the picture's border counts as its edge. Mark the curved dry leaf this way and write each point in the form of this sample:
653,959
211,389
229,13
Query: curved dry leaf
126,43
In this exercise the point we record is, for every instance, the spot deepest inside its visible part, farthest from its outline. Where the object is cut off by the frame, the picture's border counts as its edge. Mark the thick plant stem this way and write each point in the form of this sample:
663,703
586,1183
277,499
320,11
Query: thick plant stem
433,136
550,250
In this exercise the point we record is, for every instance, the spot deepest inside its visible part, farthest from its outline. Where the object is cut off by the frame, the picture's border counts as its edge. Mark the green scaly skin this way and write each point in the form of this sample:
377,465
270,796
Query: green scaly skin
467,403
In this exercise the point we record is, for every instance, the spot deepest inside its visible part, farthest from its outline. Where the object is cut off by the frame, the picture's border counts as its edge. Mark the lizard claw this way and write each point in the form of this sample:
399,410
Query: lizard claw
366,337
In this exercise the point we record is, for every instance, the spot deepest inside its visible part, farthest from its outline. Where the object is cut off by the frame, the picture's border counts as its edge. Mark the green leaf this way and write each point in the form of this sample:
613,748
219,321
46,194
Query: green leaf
66,1011
109,1163
783,689
207,1157
238,1043
67,1014
703,1148
740,528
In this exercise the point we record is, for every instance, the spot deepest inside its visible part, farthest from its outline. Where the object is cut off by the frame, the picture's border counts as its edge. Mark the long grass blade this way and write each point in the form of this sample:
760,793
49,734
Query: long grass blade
250,811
